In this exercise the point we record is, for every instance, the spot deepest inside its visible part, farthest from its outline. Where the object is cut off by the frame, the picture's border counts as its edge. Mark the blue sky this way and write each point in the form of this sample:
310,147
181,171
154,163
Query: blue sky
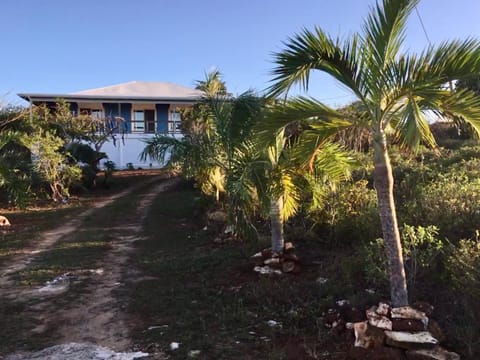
59,46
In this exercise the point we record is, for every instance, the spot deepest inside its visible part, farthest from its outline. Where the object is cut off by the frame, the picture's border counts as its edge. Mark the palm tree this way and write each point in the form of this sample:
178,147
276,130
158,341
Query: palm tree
213,151
394,90
213,84
288,179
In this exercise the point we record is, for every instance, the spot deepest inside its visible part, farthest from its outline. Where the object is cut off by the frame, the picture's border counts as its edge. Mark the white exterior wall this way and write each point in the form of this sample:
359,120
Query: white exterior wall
128,151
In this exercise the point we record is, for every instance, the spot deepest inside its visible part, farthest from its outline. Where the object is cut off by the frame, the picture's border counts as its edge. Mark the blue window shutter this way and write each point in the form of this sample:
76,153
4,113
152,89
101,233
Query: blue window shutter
73,108
111,110
162,118
126,110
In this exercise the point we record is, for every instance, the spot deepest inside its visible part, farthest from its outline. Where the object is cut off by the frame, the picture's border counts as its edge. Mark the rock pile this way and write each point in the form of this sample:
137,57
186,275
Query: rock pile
403,333
269,262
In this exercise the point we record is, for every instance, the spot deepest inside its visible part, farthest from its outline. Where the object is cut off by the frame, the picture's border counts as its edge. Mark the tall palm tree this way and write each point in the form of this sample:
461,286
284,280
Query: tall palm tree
394,89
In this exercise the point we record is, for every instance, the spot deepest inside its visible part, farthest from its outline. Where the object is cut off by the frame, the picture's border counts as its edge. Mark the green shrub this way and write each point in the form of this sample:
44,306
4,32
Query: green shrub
349,215
460,301
452,203
109,168
422,253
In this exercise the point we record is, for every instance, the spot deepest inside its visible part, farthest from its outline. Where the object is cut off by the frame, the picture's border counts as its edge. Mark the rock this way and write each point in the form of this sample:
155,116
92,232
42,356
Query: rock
378,353
194,353
438,353
271,261
266,270
383,309
331,319
411,325
218,240
257,259
289,247
367,336
267,253
424,306
291,257
321,280
379,321
273,323
217,216
229,229
4,221
407,312
410,341
288,266
342,303
435,329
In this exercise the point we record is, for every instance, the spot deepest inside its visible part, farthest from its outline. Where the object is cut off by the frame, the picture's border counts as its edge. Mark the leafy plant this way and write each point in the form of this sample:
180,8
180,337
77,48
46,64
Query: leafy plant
52,164
421,247
108,168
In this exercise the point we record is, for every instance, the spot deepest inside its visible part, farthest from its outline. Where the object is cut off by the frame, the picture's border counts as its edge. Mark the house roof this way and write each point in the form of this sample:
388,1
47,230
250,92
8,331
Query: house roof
130,91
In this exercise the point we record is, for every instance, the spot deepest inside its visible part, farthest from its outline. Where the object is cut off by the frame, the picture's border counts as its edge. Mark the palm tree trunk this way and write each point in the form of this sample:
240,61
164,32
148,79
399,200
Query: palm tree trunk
276,223
386,206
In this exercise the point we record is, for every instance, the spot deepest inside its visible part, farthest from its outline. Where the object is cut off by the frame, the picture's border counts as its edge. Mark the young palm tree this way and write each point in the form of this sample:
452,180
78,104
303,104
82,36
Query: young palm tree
394,90
289,180
286,179
213,150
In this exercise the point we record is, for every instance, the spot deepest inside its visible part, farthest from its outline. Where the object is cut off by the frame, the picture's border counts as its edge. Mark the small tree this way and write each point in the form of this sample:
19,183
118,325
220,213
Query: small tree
52,164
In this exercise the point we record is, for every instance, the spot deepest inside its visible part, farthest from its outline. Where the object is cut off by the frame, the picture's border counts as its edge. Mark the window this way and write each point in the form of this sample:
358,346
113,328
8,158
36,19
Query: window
143,121
95,113
174,122
138,123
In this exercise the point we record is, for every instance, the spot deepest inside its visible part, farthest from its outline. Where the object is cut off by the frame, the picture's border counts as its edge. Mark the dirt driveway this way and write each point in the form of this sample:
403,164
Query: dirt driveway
94,314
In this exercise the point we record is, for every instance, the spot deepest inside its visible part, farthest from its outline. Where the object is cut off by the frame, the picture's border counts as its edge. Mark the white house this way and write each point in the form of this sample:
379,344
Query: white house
146,109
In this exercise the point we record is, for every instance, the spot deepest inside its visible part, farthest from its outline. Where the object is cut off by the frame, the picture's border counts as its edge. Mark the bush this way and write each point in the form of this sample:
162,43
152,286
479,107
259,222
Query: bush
349,215
422,253
452,203
460,300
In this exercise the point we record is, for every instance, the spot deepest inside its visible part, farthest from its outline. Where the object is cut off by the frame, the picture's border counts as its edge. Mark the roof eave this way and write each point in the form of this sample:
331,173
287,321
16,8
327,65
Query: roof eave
123,99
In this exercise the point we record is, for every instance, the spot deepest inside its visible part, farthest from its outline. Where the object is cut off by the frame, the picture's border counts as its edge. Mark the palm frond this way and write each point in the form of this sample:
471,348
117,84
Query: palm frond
464,104
296,115
333,163
316,50
412,127
159,147
290,192
384,30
